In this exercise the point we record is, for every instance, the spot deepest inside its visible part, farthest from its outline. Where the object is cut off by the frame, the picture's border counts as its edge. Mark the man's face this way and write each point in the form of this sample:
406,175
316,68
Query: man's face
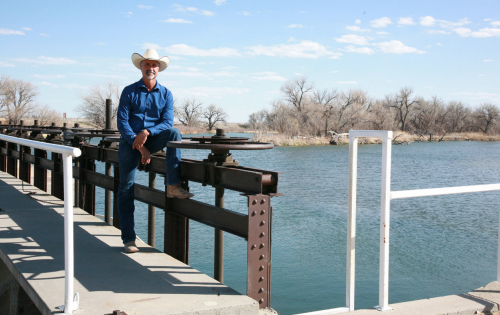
149,69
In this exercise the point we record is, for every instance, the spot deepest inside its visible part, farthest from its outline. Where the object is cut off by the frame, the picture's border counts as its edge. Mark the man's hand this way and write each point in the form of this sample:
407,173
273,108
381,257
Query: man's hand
146,157
140,139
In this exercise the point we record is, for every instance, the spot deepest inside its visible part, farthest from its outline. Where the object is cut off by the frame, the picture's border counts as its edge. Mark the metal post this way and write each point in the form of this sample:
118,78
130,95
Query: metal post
219,240
57,179
116,218
77,184
151,213
11,161
109,113
351,223
107,196
385,208
40,173
24,167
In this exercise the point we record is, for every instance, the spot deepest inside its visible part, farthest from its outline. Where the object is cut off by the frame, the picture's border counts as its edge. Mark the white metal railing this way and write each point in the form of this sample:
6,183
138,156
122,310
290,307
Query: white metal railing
71,299
386,196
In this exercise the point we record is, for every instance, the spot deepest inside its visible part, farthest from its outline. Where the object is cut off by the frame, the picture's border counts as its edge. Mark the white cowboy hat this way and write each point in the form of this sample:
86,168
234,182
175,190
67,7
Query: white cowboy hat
150,54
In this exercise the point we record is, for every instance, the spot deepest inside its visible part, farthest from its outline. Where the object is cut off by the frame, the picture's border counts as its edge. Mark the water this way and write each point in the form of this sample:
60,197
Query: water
439,245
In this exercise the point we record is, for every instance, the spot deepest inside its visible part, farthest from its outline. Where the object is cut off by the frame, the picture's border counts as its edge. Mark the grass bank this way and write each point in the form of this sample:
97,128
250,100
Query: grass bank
398,138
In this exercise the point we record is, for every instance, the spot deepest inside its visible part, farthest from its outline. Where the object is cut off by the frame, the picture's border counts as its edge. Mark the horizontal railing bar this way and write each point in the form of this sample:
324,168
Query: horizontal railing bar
43,145
442,191
371,133
337,310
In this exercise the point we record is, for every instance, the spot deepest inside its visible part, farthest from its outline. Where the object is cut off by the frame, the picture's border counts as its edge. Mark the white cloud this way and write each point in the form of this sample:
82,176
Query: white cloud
4,64
207,13
171,20
439,44
5,31
147,7
268,76
295,26
382,22
484,96
487,60
427,21
353,39
26,29
406,21
42,60
102,75
229,68
43,34
482,33
48,76
389,81
210,91
347,82
182,49
359,50
428,87
438,32
220,2
356,28
358,21
304,49
382,33
100,43
480,75
397,47
151,46
291,39
334,71
496,23
245,13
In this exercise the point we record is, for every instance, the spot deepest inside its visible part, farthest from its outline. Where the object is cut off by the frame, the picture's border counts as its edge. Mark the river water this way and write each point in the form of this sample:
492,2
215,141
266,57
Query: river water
439,245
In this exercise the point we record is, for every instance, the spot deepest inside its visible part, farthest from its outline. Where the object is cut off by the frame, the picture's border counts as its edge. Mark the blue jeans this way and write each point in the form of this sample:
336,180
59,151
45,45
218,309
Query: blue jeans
128,159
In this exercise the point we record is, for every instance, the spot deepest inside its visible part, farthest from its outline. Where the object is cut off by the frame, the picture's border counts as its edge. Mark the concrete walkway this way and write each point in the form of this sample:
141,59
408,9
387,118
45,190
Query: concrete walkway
107,279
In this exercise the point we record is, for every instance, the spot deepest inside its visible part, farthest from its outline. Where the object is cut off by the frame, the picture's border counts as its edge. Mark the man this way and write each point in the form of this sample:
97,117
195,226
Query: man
145,119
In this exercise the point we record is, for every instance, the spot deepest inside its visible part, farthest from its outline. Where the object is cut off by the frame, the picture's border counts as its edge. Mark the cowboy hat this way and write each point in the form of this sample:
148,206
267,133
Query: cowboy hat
150,54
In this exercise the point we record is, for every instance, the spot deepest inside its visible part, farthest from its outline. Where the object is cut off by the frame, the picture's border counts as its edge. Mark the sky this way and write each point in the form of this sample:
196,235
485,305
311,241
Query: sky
237,54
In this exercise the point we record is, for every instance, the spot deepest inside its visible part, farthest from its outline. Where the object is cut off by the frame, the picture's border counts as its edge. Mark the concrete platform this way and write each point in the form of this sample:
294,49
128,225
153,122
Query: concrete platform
106,278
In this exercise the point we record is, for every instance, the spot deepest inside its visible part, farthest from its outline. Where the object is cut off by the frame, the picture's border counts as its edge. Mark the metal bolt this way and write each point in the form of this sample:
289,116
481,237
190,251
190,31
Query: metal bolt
261,257
253,246
262,201
261,279
254,202
254,213
261,301
263,212
262,234
261,290
262,223
261,268
262,245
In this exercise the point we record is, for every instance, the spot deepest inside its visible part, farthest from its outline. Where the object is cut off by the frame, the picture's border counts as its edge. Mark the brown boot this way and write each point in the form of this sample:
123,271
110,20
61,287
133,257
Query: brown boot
176,191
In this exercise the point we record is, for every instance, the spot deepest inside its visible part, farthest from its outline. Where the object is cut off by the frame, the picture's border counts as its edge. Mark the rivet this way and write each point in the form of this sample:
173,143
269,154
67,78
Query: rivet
262,245
254,213
261,268
261,290
261,279
254,202
262,222
262,234
262,201
263,212
261,257
253,246
261,301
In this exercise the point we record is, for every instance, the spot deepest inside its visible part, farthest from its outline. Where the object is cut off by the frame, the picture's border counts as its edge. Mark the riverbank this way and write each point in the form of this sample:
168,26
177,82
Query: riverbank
399,138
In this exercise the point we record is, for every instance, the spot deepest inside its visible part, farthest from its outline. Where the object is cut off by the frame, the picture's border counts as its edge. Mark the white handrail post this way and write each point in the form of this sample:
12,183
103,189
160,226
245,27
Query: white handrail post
351,222
69,303
498,255
385,209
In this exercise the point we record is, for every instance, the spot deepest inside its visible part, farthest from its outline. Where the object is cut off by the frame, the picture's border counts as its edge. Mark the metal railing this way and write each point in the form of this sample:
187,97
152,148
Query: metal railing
71,299
385,207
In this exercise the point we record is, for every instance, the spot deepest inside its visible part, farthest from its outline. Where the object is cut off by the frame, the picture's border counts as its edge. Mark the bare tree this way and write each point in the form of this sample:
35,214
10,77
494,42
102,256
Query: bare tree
213,115
188,113
326,100
46,115
486,115
402,103
458,118
350,108
379,116
93,103
20,98
295,92
4,80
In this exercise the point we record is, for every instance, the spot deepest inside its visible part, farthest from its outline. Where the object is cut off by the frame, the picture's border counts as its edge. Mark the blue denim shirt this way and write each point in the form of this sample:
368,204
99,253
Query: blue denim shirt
140,109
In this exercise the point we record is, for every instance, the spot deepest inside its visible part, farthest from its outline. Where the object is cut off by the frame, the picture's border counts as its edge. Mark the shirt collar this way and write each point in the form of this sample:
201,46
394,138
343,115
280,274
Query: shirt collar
156,87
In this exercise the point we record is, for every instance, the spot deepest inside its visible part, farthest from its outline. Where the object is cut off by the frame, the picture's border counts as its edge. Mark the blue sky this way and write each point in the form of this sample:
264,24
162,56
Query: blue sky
237,54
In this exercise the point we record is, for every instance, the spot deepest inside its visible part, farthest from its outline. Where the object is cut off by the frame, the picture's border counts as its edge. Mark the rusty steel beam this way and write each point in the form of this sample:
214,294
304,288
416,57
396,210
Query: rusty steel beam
57,180
259,249
25,164
40,173
11,161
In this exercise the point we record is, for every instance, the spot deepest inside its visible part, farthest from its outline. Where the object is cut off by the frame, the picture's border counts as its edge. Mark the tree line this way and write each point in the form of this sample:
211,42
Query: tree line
18,100
303,110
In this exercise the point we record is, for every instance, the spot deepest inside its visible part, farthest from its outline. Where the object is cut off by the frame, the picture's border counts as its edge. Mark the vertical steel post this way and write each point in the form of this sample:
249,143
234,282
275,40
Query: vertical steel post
176,231
57,179
40,173
219,240
107,196
259,249
116,217
151,213
24,167
77,183
385,209
11,161
3,158
109,113
351,223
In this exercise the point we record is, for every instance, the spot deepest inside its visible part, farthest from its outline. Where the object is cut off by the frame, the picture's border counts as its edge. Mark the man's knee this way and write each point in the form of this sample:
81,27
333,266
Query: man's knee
172,134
